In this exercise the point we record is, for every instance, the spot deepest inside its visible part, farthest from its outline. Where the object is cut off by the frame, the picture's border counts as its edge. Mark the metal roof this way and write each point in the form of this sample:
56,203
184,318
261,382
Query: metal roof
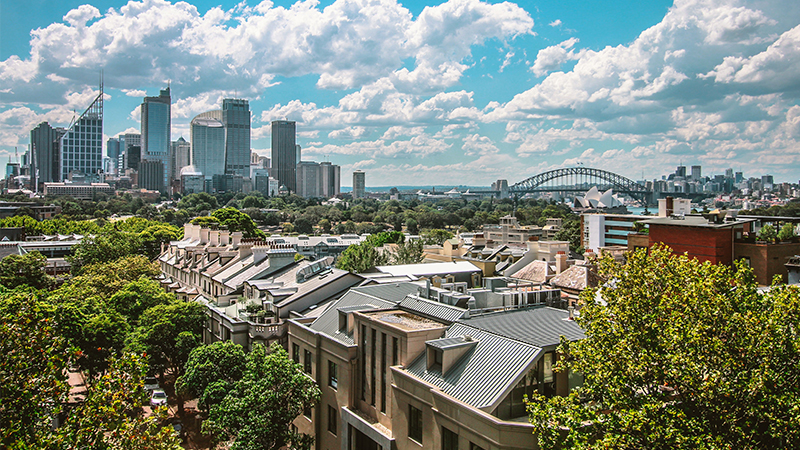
452,342
539,326
328,322
436,310
485,372
443,268
395,292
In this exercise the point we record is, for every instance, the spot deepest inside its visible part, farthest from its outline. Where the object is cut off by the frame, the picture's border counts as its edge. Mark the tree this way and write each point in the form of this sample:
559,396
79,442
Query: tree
168,334
104,247
412,226
24,270
218,365
436,237
408,252
258,412
33,362
767,233
138,296
679,354
787,232
361,258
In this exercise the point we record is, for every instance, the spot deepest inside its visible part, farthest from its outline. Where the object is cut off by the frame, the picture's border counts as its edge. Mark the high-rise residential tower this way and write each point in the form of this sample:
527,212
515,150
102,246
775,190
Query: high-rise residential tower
359,184
284,162
181,157
81,146
236,118
157,136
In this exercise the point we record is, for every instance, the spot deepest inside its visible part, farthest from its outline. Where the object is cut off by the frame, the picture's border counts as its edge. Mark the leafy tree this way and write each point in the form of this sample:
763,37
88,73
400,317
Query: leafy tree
412,226
678,354
787,232
102,336
104,279
408,252
258,411
104,247
21,270
571,232
386,237
33,362
325,225
767,233
168,334
436,237
139,295
220,364
303,226
361,258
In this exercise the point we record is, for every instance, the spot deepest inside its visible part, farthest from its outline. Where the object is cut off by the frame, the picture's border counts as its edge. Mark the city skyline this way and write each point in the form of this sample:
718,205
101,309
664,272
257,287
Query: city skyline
459,92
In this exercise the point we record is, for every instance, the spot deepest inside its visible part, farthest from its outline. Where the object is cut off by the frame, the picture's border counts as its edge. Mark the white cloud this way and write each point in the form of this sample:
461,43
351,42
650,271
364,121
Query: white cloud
475,144
134,92
555,23
551,58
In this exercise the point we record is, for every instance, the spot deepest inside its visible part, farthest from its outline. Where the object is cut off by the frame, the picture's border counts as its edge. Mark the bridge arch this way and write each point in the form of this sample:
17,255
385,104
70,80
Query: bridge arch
580,176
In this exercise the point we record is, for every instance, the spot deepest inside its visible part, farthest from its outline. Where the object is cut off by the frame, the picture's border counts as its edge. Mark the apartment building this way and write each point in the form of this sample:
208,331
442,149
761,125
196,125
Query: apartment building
400,370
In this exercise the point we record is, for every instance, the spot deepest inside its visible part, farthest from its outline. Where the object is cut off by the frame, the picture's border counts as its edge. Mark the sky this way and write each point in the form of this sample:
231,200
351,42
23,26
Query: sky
462,92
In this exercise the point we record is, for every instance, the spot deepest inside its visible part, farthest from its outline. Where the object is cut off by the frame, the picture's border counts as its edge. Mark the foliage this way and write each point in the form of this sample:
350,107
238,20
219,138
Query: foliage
168,333
412,226
679,354
786,232
436,237
258,411
386,237
361,258
570,231
139,295
108,417
102,336
408,252
767,233
198,203
104,279
33,361
24,270
220,364
233,220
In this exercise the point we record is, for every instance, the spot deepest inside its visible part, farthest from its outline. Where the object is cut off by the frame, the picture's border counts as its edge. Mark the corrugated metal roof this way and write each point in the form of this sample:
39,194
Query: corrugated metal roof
436,310
328,322
539,326
485,372
442,268
451,342
390,292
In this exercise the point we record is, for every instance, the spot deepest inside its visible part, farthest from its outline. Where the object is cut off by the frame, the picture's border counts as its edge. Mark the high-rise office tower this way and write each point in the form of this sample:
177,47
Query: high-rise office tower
330,179
697,173
284,162
208,144
236,118
131,146
309,177
44,153
81,147
680,172
157,135
359,184
181,157
728,173
113,150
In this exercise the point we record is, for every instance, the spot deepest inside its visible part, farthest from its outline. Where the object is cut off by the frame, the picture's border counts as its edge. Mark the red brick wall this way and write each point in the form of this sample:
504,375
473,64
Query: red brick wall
767,260
705,244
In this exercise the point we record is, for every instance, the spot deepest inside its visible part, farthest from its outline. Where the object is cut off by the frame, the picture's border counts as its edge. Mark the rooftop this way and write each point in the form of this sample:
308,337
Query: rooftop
404,320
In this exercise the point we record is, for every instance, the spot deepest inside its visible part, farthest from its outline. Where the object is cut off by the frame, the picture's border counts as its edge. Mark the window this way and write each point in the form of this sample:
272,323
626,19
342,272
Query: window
296,353
415,424
383,372
333,425
395,358
307,412
474,447
363,362
449,440
373,367
307,361
333,376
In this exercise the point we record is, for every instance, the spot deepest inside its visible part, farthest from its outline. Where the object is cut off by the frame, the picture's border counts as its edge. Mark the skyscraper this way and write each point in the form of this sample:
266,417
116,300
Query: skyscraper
208,144
157,135
284,162
359,184
330,179
181,157
309,177
44,153
697,173
81,147
236,118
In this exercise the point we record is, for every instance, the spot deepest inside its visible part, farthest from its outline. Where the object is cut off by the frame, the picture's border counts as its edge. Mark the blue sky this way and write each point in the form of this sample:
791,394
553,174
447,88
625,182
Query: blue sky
414,93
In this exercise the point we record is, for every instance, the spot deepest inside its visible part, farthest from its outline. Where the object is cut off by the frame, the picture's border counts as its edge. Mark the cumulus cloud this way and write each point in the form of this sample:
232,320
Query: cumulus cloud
551,58
555,23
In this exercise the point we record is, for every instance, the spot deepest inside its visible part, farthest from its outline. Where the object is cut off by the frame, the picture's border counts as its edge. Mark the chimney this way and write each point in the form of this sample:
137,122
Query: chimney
571,310
205,235
224,237
214,238
561,261
236,238
245,250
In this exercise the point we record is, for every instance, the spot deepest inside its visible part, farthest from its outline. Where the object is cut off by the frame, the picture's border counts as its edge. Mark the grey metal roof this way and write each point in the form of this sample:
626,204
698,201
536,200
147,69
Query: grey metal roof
328,322
451,342
539,326
485,372
389,292
430,308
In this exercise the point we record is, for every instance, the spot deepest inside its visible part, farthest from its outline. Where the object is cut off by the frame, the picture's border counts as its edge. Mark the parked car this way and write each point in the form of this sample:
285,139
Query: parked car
151,384
159,398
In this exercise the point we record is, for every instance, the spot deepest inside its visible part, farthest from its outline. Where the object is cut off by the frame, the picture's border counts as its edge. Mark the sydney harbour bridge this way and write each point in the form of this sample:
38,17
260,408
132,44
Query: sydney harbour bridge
578,180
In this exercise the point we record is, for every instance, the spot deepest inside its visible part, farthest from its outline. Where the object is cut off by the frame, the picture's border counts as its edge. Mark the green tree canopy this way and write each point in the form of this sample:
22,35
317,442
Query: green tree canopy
221,363
257,413
139,295
408,252
24,270
436,237
679,354
361,258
